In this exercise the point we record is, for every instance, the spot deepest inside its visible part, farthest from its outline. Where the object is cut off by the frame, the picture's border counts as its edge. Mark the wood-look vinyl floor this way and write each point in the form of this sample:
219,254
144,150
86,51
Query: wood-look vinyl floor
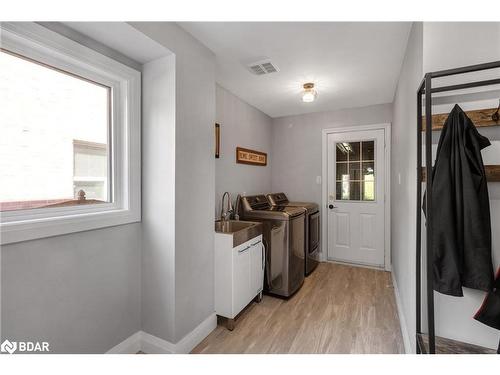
339,309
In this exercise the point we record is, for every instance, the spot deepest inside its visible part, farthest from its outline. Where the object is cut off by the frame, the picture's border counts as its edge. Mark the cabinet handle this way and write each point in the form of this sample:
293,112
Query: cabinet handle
245,249
263,254
258,242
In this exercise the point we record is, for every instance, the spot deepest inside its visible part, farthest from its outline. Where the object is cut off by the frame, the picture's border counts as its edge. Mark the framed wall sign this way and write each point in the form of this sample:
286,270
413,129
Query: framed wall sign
247,156
217,141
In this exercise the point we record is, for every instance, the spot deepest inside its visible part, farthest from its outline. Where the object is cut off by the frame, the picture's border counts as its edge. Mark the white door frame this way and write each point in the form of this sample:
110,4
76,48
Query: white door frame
387,202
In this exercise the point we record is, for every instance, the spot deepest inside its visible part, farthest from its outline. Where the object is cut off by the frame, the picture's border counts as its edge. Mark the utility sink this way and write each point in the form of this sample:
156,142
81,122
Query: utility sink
242,231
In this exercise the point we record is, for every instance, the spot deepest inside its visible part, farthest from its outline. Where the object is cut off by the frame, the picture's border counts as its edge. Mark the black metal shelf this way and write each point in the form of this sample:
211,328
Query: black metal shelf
426,343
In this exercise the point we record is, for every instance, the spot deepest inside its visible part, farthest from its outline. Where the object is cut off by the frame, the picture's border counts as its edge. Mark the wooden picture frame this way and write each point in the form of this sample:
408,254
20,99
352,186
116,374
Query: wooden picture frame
251,157
217,141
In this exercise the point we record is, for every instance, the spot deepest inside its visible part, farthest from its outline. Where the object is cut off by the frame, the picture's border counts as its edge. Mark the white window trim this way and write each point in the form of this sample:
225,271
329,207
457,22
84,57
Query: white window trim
41,44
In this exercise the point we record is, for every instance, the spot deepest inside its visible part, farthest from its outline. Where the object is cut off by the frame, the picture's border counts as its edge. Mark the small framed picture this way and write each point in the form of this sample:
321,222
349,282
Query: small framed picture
217,141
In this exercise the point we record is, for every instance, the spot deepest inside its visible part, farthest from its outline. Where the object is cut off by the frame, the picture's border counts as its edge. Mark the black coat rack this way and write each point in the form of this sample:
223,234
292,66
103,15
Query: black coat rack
426,89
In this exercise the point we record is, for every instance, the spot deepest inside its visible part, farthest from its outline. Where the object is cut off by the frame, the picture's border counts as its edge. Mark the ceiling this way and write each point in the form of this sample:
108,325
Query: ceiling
123,38
352,64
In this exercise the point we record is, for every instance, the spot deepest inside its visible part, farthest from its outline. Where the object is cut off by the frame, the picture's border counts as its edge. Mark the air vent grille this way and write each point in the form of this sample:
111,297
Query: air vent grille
257,69
269,68
262,67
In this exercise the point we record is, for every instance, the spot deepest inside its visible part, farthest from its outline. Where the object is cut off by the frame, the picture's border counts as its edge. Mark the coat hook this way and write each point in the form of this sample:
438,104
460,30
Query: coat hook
496,116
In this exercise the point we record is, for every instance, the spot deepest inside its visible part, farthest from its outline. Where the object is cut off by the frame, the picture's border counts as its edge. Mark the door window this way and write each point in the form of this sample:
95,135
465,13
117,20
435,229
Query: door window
355,171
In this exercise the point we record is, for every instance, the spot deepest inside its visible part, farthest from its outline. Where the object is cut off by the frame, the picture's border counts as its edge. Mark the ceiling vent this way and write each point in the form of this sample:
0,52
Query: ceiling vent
262,67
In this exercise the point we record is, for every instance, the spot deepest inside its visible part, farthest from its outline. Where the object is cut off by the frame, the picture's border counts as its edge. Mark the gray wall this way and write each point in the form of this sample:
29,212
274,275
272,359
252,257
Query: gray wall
80,292
245,126
194,185
403,179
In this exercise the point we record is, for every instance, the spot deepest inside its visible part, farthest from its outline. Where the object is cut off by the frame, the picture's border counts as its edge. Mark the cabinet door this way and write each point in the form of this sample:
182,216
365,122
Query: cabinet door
241,277
256,267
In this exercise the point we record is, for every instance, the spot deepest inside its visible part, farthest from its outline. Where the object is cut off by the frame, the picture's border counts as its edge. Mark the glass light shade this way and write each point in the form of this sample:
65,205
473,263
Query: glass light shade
309,94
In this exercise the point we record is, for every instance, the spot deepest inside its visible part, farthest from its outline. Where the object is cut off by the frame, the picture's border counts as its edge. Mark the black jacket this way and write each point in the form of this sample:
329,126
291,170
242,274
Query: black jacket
489,312
461,209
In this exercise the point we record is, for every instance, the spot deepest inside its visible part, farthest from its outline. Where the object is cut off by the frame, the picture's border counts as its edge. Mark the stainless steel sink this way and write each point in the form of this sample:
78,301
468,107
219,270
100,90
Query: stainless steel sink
242,231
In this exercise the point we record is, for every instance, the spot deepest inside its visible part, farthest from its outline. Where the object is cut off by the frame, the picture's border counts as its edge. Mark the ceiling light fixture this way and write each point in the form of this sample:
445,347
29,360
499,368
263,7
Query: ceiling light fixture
309,93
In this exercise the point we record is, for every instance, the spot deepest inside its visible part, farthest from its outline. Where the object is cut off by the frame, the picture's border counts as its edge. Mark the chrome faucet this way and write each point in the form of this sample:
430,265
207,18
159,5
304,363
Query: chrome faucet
237,208
226,214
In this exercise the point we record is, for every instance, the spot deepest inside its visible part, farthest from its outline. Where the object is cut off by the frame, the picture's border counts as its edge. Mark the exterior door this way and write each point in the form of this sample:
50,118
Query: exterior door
356,197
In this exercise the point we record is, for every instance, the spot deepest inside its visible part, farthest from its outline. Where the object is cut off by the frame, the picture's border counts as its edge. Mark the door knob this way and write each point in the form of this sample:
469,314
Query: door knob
331,206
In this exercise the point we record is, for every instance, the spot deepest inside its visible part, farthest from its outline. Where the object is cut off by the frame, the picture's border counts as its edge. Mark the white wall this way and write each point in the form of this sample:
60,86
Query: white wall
403,181
193,300
245,126
466,44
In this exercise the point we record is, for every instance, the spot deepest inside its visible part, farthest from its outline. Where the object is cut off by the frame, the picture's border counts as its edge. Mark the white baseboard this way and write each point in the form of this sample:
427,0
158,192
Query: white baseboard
401,315
150,344
154,345
130,345
193,338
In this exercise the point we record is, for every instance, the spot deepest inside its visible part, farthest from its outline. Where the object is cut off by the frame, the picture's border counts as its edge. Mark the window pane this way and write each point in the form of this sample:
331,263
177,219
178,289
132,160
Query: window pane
368,169
341,171
368,150
343,188
342,152
354,152
53,137
355,191
348,151
368,190
355,171
348,190
369,181
355,174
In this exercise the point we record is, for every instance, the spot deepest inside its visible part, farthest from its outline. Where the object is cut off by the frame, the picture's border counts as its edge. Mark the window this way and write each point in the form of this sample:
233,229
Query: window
43,111
69,136
355,171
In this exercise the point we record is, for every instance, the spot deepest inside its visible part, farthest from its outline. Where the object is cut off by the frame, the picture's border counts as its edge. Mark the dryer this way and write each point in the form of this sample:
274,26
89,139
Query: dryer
311,230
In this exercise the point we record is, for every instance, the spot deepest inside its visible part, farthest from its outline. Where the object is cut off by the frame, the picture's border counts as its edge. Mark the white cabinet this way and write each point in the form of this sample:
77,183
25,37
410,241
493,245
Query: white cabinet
239,274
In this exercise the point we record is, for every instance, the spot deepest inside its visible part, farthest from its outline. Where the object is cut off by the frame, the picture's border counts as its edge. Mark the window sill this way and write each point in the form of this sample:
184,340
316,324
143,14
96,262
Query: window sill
26,230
